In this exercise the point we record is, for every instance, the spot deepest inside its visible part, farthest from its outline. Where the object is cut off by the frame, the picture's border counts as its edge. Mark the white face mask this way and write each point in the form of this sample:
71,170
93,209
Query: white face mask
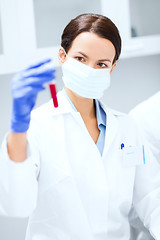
84,80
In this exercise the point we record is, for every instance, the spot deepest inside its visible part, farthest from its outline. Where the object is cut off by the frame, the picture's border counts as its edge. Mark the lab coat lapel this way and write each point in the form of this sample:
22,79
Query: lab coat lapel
63,105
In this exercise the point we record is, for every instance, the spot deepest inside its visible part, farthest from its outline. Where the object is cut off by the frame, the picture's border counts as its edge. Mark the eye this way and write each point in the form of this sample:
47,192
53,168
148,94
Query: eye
103,65
80,59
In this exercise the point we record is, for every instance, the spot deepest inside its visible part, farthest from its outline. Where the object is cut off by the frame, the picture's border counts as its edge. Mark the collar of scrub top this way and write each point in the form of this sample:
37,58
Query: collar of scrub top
65,106
101,121
100,114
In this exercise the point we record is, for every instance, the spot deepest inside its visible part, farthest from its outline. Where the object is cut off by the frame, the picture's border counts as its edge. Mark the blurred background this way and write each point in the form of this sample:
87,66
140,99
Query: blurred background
30,30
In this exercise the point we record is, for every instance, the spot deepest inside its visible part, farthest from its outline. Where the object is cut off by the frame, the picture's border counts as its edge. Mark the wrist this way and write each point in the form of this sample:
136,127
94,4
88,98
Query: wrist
19,126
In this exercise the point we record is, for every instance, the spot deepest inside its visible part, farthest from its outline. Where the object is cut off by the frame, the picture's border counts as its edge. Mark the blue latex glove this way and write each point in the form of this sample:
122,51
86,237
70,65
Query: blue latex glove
25,87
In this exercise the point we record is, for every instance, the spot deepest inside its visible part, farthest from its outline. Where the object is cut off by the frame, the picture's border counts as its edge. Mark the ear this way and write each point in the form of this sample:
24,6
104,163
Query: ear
114,65
61,55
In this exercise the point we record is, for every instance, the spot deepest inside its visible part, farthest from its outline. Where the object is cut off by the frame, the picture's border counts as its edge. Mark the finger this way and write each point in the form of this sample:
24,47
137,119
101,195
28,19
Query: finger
37,81
31,82
39,64
44,72
27,91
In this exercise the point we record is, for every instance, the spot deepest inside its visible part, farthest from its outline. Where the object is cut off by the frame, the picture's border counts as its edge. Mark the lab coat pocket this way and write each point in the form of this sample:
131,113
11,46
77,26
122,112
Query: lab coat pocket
133,156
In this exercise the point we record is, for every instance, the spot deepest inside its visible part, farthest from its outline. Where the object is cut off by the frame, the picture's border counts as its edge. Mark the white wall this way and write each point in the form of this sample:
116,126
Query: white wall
144,17
1,47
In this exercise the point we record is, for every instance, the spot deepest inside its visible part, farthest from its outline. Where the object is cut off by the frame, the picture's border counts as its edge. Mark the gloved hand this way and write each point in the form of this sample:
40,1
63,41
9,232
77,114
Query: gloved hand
25,87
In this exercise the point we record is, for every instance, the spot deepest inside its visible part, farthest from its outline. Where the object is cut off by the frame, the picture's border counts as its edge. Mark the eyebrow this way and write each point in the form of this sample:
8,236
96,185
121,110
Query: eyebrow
101,60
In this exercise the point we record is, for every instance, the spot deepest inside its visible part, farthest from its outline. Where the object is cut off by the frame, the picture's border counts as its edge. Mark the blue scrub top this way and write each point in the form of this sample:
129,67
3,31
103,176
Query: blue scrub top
101,121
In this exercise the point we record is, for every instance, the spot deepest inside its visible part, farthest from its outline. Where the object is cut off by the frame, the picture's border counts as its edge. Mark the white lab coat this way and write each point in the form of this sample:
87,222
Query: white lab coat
69,190
147,116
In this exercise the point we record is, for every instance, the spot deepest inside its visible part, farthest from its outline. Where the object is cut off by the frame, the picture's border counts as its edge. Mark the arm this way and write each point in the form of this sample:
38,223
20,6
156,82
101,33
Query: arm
19,158
147,195
18,181
25,87
17,146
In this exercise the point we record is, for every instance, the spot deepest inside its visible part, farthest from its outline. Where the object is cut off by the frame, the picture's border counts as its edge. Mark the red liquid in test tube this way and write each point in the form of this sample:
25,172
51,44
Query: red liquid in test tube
52,87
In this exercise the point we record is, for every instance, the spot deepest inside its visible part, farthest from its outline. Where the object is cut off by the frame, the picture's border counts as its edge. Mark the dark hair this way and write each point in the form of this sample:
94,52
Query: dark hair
95,23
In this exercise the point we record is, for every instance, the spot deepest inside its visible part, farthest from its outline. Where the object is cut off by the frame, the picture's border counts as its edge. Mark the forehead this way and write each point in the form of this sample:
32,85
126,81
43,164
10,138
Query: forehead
93,45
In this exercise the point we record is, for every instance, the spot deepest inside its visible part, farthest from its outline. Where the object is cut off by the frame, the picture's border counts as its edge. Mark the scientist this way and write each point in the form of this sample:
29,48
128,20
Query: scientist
147,116
77,170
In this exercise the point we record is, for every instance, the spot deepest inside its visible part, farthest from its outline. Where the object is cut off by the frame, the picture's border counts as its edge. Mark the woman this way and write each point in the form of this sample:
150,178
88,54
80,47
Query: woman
76,170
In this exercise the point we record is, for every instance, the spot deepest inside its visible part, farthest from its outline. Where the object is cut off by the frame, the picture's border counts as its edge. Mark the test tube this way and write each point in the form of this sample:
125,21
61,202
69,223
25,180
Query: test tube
53,92
52,86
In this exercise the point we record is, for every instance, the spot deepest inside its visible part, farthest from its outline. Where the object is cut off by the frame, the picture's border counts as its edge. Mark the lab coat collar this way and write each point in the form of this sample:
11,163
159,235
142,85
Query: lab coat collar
112,126
101,116
65,107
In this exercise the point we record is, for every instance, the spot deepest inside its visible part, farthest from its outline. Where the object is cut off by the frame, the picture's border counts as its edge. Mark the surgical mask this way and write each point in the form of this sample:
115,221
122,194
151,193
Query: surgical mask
84,80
